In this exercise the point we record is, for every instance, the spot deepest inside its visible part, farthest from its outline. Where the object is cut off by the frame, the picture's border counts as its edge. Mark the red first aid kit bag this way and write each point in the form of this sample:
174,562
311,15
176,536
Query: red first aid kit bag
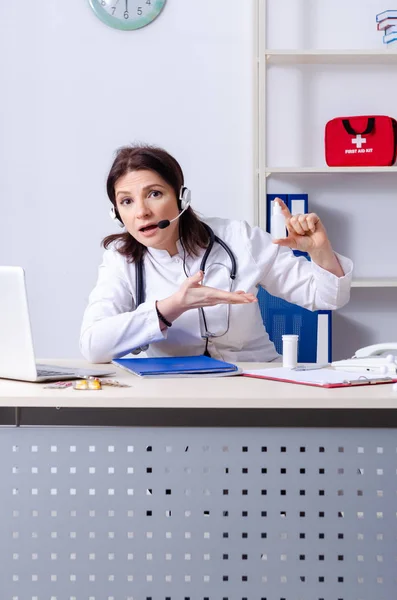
368,141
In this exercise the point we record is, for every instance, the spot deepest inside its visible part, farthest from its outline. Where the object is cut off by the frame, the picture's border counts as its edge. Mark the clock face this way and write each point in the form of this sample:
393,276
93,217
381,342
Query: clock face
127,14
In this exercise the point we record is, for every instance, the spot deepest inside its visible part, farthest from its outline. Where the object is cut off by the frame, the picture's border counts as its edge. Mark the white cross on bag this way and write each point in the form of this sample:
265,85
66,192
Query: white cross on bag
359,141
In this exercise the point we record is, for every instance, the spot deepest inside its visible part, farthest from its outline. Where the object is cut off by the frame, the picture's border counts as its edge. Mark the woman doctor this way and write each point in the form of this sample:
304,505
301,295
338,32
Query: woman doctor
173,284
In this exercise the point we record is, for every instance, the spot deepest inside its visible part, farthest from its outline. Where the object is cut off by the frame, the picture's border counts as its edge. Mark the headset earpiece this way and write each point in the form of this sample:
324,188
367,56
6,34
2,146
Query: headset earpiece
185,197
114,215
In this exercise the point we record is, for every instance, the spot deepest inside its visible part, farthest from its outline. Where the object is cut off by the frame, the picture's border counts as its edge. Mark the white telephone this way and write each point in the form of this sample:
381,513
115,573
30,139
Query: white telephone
378,358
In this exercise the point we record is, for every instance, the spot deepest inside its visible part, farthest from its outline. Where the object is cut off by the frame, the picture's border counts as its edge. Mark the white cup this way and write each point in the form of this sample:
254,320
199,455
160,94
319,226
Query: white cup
290,351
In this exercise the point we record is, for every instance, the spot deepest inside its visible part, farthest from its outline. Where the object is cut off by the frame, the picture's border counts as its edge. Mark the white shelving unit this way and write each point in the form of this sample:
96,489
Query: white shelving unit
331,57
269,170
377,282
266,57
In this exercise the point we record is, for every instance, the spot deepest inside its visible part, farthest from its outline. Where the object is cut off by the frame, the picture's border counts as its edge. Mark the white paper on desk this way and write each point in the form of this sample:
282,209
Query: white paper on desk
317,376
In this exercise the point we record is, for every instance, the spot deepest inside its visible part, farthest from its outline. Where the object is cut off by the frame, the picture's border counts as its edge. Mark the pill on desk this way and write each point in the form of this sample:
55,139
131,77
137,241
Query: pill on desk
94,383
390,358
91,383
383,369
82,384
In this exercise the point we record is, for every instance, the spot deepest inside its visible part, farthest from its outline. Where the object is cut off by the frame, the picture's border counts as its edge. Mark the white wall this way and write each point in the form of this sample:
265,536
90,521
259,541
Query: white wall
359,211
74,90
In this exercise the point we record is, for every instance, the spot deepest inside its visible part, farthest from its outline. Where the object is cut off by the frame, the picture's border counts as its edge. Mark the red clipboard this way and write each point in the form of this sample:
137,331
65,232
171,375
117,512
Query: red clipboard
361,380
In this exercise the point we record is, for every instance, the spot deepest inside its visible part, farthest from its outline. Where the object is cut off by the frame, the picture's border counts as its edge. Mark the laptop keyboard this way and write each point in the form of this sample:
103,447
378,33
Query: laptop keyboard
49,373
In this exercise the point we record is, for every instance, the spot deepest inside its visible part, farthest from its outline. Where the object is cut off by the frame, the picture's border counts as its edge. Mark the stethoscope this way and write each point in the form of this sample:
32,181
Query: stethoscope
140,285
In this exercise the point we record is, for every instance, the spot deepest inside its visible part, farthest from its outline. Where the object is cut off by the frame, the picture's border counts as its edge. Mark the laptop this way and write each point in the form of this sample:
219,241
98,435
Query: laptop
17,359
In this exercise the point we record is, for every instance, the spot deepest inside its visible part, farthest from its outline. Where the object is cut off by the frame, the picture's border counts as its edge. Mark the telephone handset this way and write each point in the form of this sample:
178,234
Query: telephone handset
378,358
377,350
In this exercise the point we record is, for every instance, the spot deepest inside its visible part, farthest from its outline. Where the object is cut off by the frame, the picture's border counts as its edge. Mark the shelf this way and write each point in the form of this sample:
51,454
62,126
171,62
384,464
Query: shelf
332,57
270,170
375,282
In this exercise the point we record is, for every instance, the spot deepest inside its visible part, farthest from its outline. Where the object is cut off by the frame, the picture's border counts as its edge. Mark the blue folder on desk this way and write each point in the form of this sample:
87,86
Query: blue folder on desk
176,366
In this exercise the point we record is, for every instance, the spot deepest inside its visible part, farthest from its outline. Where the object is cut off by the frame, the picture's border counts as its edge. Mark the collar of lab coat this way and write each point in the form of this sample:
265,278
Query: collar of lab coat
163,255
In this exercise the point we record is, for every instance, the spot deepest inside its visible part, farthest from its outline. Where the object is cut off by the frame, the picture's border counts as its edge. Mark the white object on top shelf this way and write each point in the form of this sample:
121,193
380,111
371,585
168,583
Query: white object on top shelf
367,57
377,282
270,170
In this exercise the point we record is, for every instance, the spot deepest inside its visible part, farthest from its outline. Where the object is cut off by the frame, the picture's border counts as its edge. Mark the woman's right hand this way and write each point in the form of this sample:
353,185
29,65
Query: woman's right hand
192,294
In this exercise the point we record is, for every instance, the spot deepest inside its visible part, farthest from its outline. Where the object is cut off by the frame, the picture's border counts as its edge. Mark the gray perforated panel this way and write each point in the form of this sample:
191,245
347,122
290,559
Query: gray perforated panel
194,514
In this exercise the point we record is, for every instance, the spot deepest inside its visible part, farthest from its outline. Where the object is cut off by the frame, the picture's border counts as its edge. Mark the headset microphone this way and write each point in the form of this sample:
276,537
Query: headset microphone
185,198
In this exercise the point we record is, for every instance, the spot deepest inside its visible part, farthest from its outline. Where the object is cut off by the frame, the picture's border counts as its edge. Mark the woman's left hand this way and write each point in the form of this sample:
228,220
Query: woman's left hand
305,232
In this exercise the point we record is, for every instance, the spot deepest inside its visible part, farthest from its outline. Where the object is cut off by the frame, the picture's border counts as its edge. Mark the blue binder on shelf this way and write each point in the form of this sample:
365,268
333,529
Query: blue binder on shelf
298,203
176,366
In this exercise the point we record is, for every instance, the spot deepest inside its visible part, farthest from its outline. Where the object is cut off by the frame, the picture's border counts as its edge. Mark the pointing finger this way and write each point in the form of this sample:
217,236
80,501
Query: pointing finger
284,208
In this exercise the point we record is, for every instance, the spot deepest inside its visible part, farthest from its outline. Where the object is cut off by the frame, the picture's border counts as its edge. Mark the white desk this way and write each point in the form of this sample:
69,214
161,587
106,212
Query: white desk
207,393
198,488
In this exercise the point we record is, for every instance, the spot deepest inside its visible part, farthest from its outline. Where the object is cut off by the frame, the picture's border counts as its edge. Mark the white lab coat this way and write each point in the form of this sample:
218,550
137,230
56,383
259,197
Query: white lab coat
112,327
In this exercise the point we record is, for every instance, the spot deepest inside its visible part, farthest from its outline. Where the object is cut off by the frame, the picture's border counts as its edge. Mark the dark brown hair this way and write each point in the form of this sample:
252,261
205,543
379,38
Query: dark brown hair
192,232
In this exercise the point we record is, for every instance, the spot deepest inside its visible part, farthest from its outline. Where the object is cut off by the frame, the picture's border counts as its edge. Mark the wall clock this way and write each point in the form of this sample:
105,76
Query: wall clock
127,14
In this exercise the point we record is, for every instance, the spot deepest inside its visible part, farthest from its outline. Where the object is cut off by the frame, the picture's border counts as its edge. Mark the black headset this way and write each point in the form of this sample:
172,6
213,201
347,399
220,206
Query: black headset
184,200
